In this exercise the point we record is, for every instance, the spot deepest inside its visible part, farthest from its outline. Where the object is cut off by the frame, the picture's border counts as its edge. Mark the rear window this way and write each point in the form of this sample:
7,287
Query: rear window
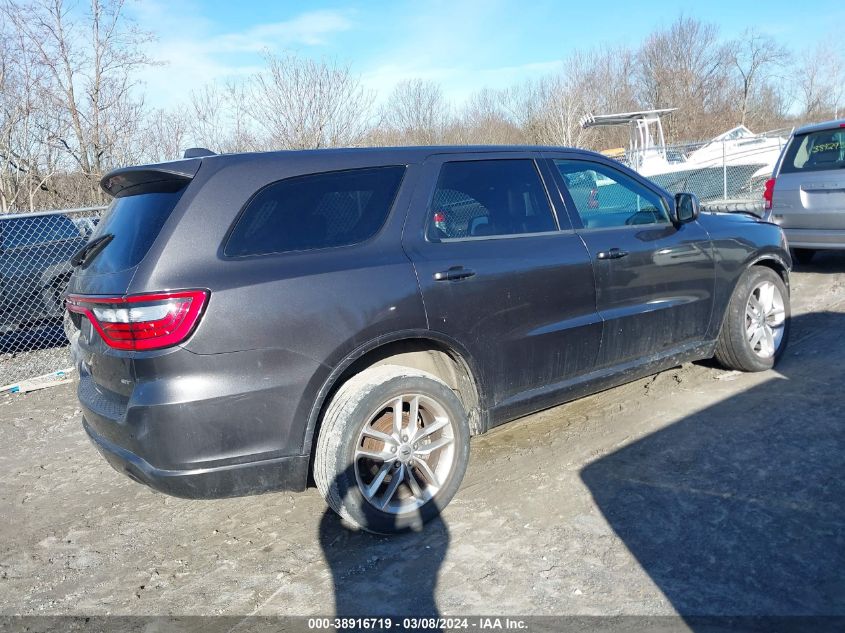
38,230
816,151
322,210
135,222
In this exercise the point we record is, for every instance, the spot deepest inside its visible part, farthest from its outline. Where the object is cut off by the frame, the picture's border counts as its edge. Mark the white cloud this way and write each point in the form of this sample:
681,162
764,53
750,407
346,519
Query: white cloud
309,29
192,51
463,45
457,82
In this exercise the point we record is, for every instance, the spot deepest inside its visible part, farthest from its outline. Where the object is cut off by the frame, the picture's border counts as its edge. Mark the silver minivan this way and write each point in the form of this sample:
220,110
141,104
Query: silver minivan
806,194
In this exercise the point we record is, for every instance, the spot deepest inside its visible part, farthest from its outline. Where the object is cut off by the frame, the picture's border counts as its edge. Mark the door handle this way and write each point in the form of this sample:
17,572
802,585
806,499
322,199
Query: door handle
454,273
613,253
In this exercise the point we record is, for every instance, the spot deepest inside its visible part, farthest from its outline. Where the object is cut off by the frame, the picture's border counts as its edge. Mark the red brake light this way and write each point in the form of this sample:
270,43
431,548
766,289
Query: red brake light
768,193
145,321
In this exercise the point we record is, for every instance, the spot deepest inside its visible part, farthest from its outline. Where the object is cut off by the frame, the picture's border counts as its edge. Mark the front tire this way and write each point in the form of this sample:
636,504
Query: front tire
392,450
755,329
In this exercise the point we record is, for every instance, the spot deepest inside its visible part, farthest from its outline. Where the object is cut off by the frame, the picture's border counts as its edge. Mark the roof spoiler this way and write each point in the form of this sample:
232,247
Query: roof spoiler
197,152
165,177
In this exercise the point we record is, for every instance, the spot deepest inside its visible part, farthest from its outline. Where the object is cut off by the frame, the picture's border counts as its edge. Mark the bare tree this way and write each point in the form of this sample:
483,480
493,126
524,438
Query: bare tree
607,86
549,110
819,78
416,113
164,135
686,66
206,121
26,159
300,103
241,135
486,118
91,63
754,56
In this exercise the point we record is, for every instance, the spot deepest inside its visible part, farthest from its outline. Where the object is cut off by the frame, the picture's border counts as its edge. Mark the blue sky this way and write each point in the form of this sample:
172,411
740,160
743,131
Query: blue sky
464,45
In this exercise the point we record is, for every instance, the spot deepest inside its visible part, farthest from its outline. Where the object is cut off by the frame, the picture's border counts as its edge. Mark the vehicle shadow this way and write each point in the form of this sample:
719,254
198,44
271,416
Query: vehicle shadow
739,509
383,576
823,262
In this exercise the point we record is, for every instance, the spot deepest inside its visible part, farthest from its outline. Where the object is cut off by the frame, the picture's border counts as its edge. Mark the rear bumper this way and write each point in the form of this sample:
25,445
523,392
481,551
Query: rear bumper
832,239
282,473
198,426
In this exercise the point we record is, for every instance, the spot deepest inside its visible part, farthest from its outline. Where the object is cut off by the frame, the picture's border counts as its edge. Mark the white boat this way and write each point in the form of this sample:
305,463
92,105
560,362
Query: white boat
739,146
649,155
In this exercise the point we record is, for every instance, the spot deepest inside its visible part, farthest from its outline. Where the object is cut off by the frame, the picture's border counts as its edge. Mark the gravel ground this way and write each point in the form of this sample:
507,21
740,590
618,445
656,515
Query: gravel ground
46,352
24,365
697,491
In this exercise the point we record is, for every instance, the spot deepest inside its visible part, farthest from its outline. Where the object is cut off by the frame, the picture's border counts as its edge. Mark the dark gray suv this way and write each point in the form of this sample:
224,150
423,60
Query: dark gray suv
243,322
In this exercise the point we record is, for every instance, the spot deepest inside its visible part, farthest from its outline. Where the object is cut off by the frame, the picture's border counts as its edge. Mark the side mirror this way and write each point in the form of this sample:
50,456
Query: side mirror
687,207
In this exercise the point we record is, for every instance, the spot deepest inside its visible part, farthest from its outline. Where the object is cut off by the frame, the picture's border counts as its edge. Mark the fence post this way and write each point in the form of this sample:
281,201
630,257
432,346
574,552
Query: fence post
724,172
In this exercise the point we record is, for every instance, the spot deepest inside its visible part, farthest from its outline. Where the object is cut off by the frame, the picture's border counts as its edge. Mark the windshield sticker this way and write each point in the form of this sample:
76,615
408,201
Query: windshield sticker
826,147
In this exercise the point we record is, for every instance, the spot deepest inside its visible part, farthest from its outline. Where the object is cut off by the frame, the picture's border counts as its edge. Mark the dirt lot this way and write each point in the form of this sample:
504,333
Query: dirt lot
697,491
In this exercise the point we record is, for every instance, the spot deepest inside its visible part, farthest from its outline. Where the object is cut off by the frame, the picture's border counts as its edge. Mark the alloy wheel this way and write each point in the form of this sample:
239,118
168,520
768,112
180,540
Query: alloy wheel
405,453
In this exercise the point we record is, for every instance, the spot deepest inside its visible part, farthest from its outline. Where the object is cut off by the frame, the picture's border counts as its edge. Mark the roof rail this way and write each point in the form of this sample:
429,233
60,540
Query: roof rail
197,152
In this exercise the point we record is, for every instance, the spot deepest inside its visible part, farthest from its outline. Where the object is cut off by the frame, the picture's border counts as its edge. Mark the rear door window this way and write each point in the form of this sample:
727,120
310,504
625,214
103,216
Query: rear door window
485,198
816,151
135,222
324,210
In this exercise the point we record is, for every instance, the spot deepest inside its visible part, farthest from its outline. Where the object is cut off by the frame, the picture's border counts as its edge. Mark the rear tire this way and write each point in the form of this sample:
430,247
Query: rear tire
755,330
804,256
386,478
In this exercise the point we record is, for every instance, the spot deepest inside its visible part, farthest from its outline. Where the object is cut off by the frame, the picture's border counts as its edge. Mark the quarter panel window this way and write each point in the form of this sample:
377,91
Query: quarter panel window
485,198
321,210
605,197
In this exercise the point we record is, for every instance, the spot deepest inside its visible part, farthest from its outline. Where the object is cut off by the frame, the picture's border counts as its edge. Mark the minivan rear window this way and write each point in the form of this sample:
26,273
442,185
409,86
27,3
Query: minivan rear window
135,221
323,210
815,151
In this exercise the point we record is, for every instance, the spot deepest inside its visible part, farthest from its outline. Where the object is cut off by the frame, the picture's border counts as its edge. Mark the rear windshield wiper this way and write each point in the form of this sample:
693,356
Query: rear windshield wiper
91,250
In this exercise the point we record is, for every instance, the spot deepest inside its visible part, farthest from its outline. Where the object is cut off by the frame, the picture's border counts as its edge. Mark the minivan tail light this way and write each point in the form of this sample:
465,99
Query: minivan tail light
769,193
144,321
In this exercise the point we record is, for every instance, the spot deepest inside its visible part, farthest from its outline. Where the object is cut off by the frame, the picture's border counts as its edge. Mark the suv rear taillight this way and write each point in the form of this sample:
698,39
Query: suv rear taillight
768,194
142,322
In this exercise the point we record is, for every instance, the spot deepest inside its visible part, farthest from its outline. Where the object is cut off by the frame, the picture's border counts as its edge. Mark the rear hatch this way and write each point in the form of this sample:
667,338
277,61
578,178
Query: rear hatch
809,190
144,199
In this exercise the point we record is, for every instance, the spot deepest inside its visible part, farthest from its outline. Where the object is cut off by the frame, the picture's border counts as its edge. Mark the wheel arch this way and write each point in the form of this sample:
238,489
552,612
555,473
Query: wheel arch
425,350
775,262
770,260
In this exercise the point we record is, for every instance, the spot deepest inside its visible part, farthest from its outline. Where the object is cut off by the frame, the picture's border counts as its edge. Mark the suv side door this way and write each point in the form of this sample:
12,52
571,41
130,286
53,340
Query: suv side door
654,280
500,276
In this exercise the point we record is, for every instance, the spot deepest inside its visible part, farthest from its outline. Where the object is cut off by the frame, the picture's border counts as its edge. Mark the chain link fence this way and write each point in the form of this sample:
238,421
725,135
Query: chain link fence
727,173
35,254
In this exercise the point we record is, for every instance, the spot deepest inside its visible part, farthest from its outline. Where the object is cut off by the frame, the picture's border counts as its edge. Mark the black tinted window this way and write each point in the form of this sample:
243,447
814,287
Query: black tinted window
38,230
489,197
135,222
815,151
316,211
